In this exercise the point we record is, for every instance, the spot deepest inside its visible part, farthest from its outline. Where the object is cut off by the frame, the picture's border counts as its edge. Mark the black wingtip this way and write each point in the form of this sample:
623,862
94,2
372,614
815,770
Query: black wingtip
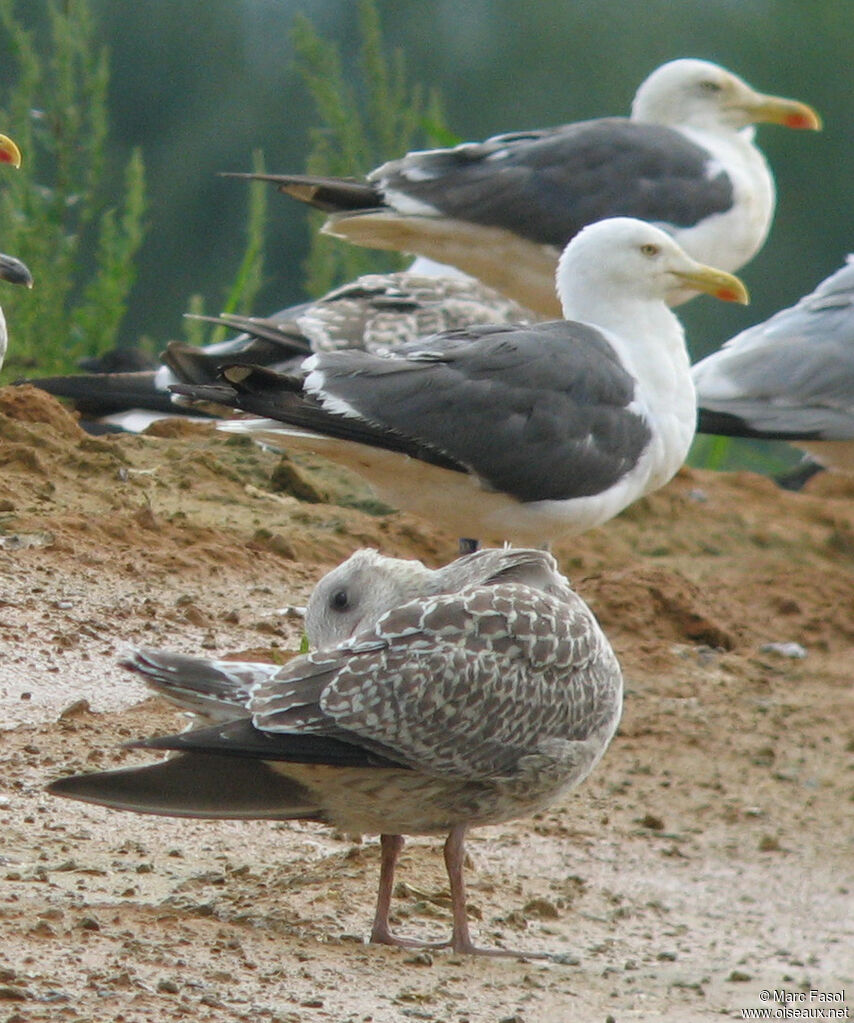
188,785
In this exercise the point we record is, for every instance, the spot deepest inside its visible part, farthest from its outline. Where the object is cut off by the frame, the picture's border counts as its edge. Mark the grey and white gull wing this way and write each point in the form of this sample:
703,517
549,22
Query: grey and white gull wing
504,209
375,312
790,378
479,703
510,432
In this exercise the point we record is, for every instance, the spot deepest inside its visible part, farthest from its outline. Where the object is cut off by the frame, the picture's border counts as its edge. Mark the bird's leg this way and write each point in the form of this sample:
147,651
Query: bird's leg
461,940
797,478
390,846
454,858
381,932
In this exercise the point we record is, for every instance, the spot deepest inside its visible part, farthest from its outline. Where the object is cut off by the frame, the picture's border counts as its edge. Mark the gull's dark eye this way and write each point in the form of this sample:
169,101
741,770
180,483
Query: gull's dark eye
709,86
340,600
649,249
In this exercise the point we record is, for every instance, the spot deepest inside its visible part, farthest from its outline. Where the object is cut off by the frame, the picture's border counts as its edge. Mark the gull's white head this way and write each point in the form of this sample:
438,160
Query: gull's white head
622,260
700,94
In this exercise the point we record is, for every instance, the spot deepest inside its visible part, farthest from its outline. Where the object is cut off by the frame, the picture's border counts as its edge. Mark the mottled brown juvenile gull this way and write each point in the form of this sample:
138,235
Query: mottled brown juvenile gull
502,210
346,601
480,702
790,378
520,433
375,312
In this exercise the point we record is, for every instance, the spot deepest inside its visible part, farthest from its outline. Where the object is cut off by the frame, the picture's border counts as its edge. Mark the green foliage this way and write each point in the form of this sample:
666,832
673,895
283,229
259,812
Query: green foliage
250,273
79,244
731,454
369,114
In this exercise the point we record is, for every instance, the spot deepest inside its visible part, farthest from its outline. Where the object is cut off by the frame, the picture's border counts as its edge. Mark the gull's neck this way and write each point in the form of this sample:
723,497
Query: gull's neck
648,338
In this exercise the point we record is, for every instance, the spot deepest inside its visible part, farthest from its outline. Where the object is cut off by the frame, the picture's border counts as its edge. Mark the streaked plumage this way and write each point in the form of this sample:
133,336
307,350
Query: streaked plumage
482,699
374,313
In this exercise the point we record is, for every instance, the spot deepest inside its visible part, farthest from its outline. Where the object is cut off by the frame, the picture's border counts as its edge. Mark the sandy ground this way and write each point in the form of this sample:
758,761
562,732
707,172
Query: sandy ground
707,859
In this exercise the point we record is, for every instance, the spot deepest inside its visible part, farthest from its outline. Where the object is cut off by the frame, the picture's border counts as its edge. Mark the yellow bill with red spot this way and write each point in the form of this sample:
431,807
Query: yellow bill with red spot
724,286
9,152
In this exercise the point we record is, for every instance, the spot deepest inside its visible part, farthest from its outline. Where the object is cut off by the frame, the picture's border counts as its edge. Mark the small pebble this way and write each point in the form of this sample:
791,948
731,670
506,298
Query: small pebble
739,976
793,650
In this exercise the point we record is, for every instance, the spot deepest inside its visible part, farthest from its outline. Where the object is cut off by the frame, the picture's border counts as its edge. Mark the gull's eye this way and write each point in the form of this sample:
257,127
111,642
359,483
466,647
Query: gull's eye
340,600
649,249
710,86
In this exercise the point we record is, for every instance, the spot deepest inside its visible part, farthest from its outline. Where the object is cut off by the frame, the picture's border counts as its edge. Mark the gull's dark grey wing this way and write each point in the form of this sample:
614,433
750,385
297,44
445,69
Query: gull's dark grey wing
212,786
545,186
540,412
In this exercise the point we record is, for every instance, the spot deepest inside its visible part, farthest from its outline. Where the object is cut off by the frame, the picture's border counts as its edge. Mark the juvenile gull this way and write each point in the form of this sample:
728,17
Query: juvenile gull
375,312
790,378
502,210
481,700
519,433
346,601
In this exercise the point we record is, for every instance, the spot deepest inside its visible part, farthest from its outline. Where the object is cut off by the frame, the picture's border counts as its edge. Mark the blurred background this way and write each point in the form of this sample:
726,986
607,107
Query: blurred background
197,85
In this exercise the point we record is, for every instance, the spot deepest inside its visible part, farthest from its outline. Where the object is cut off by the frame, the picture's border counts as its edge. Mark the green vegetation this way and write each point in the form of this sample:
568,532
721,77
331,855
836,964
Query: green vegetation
250,273
367,115
79,243
732,454
80,235
63,214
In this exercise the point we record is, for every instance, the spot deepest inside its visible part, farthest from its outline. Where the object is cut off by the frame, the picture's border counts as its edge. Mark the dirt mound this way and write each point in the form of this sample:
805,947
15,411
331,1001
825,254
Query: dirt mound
707,858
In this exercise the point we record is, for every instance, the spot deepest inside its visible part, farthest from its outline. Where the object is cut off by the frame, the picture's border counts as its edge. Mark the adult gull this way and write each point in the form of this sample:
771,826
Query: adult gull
790,378
511,432
503,210
480,703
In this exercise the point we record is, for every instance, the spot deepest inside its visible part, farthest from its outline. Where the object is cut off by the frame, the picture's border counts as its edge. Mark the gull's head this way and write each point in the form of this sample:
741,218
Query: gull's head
627,259
353,596
700,94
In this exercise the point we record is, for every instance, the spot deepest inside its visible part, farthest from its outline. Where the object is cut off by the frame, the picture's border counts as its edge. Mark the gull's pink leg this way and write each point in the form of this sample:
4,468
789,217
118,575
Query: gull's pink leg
381,932
461,941
390,846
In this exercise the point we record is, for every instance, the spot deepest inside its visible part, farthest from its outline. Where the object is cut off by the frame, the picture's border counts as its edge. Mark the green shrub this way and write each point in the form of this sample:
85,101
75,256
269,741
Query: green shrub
367,116
78,240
